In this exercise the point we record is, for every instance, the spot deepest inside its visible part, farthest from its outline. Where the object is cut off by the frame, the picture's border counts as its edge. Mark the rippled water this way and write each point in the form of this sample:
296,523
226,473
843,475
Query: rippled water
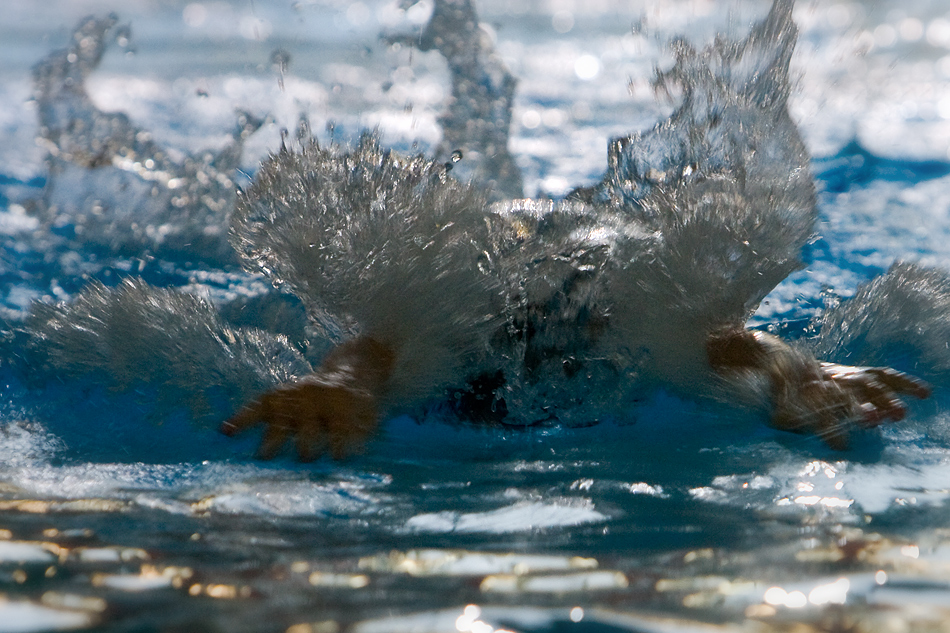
695,517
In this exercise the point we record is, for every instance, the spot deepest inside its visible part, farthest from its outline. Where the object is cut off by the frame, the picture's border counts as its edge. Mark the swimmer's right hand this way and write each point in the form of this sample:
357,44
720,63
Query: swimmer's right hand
332,410
811,397
826,400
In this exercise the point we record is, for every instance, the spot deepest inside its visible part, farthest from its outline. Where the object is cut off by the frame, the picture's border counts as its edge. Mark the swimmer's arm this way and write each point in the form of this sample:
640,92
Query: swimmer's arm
809,396
334,409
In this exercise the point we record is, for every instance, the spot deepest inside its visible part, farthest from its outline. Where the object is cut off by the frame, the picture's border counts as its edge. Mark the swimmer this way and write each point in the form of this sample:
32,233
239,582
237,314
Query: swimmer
414,272
560,311
518,312
336,408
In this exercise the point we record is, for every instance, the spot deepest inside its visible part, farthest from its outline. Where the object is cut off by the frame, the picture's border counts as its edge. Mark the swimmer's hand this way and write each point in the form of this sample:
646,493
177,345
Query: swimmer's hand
824,399
334,409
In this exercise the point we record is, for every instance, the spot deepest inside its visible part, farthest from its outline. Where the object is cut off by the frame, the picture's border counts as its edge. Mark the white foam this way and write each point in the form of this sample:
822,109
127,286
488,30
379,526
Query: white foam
25,552
25,617
519,517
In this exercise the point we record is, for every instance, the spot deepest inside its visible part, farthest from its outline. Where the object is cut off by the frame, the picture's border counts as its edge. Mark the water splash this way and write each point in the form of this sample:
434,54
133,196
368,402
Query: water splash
137,335
377,244
693,224
110,186
522,312
478,119
900,318
599,296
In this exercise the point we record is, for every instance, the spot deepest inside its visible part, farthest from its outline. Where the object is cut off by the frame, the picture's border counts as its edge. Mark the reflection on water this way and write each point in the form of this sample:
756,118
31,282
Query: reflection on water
84,580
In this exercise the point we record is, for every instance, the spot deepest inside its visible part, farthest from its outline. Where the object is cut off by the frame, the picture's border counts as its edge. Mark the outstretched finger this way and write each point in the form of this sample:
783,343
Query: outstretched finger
309,442
885,405
274,437
250,415
900,382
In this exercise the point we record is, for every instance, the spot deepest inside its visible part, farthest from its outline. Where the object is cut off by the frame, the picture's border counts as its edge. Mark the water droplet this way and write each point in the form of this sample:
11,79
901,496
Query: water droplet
281,59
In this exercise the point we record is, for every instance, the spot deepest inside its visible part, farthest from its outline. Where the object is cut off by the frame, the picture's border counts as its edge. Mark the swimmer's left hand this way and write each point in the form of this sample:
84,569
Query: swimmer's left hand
334,409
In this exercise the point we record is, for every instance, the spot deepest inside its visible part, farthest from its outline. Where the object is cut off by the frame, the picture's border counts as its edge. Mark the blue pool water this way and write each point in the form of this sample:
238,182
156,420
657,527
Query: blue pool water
119,513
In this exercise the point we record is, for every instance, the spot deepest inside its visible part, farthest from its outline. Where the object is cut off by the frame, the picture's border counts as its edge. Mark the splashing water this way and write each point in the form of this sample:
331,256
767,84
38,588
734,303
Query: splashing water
109,184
